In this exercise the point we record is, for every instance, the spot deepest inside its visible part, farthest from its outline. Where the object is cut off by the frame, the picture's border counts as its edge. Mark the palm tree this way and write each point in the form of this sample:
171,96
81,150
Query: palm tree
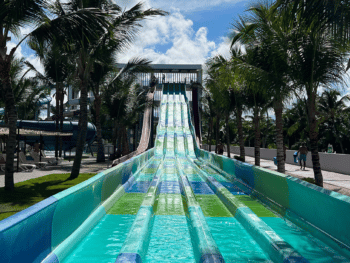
317,60
124,99
99,75
58,69
122,27
259,103
296,122
267,32
225,92
47,28
333,111
318,54
26,91
209,114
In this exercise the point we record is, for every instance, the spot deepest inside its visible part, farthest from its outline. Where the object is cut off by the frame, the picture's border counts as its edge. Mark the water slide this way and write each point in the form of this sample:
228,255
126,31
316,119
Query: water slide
49,142
177,203
145,135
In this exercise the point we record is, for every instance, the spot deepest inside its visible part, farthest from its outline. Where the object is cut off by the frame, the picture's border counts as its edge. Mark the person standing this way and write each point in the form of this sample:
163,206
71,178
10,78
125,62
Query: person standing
303,152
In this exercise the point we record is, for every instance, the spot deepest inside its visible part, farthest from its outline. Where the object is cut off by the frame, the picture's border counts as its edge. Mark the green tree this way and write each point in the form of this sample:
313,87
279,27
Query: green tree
266,30
123,99
317,55
333,112
38,14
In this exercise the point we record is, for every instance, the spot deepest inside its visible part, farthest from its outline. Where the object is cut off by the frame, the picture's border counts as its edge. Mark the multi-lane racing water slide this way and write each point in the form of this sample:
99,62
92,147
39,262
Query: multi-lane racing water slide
177,203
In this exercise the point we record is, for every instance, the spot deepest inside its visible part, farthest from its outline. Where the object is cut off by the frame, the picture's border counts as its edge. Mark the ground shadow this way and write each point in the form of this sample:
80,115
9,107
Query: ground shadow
28,194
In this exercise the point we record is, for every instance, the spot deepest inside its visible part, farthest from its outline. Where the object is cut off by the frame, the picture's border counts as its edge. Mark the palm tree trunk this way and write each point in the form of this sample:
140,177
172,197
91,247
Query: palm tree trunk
61,121
278,107
217,134
125,144
57,116
100,148
12,121
314,140
240,133
115,137
83,129
257,137
210,135
228,135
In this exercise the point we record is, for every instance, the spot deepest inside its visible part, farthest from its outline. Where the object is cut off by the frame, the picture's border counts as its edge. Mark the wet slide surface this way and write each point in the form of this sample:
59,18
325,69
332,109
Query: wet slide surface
179,208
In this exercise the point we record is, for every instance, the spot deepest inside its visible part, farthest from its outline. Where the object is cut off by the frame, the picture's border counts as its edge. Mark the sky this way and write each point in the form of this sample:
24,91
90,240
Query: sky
194,31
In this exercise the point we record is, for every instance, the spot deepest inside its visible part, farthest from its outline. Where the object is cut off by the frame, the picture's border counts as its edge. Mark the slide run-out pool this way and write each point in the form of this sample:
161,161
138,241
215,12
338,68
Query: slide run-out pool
177,203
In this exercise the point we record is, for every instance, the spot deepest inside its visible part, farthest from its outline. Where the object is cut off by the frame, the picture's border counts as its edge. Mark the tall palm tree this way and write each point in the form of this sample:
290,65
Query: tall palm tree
267,31
58,68
122,27
47,27
318,55
296,122
228,90
259,103
317,60
124,99
101,71
333,111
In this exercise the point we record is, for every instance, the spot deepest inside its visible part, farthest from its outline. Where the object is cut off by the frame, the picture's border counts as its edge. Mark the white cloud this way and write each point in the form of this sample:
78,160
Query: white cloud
193,5
10,45
187,46
223,48
37,64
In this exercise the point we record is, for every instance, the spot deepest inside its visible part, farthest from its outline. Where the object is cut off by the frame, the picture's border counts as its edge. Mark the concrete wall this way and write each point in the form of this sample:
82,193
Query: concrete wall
339,163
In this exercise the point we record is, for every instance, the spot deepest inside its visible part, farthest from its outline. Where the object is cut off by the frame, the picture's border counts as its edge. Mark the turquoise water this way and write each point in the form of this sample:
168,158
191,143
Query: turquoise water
104,241
307,245
234,242
170,241
169,238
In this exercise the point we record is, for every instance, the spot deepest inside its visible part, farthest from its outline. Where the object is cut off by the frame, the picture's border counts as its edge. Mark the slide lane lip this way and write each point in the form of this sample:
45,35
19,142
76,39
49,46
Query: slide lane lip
136,243
68,245
278,249
202,240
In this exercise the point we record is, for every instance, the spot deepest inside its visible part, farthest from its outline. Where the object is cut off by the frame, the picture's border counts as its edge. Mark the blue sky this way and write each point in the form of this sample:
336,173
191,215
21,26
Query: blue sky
194,31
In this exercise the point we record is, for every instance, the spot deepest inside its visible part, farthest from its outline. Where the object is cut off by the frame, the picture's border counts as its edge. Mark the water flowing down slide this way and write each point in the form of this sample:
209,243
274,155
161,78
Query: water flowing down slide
177,203
178,208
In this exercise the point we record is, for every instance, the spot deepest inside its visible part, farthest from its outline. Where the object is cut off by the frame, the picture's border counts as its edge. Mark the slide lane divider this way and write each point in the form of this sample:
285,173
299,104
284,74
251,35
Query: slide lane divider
202,240
136,243
246,188
67,246
278,249
333,243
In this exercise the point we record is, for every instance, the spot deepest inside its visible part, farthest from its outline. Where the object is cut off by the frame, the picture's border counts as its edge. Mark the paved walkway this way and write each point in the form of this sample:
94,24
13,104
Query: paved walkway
88,165
332,181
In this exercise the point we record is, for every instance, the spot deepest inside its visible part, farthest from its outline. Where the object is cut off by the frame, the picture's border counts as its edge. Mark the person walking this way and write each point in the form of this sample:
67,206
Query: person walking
303,152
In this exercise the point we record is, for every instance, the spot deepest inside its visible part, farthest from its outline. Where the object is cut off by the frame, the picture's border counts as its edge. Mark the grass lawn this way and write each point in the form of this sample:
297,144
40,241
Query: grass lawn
30,192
